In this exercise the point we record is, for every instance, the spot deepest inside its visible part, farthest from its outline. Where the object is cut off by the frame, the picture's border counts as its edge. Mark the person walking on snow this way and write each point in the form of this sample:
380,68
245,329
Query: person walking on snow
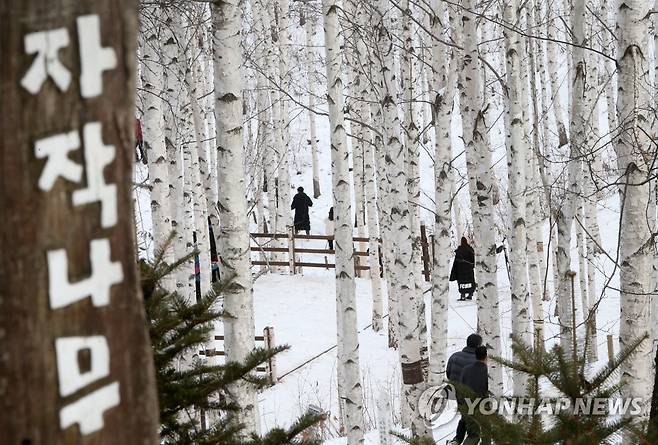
463,270
476,377
300,204
456,364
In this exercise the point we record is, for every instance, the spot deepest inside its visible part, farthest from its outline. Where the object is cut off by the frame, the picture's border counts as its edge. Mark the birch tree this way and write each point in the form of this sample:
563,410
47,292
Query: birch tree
281,111
634,152
517,151
402,282
567,211
376,61
348,340
175,134
366,204
310,31
233,246
444,81
478,163
200,187
412,167
154,136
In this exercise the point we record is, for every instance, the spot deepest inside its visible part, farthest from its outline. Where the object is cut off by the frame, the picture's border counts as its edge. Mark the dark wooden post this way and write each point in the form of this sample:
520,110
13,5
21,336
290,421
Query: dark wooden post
357,264
425,252
291,249
268,337
75,361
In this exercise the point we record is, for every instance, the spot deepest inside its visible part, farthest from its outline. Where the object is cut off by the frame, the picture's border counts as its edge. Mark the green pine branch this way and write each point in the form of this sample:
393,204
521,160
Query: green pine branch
187,385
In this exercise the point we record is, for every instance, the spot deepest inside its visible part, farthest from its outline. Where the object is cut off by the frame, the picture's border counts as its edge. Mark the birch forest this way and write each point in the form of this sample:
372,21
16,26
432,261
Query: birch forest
319,168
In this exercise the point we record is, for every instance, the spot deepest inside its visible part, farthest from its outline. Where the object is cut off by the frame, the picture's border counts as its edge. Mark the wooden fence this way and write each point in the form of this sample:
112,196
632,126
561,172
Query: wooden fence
293,263
267,340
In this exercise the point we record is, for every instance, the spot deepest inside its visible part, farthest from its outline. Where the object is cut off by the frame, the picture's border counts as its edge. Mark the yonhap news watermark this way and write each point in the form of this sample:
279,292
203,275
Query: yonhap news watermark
438,406
596,406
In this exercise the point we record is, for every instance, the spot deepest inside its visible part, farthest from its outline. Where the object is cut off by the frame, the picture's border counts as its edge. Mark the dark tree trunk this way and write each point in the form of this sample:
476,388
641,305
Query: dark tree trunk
57,356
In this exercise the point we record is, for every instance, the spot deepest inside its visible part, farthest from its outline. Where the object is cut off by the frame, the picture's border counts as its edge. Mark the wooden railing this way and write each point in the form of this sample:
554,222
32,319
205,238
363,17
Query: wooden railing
293,263
267,340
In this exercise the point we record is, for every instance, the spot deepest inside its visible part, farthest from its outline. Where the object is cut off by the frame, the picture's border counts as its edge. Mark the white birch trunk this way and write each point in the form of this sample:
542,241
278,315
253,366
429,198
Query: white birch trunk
359,113
233,246
591,247
310,27
478,162
633,153
517,152
567,211
533,201
154,138
350,389
269,137
535,269
382,204
401,243
208,150
176,132
370,207
552,26
201,190
412,171
538,53
444,81
383,190
282,118
187,140
373,243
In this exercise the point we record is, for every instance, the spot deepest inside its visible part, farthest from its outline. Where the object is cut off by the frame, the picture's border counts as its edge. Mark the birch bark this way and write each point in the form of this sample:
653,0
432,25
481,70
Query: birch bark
534,234
176,133
412,170
566,212
201,191
208,149
552,26
517,152
365,92
382,203
358,110
478,163
401,268
633,153
348,359
378,61
310,28
444,81
282,105
233,246
154,138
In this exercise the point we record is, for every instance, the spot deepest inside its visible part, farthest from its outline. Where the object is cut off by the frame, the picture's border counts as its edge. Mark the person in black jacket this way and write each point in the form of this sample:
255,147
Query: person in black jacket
476,377
456,364
300,204
462,270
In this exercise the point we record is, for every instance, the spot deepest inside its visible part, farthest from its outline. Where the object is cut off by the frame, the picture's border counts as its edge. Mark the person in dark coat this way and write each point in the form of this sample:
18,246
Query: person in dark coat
462,270
329,228
476,377
300,204
456,364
